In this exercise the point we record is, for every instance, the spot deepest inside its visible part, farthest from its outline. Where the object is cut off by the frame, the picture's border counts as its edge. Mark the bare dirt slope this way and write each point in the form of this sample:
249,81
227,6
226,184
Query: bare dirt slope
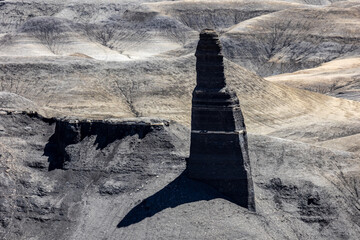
162,87
124,59
267,37
339,78
132,186
294,38
13,102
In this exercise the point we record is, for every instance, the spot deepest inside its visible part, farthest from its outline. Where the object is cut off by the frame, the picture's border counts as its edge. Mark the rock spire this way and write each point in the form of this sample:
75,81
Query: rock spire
218,151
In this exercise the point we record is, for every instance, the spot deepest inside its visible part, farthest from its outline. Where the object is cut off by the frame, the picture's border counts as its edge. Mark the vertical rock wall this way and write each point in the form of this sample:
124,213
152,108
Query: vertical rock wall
218,151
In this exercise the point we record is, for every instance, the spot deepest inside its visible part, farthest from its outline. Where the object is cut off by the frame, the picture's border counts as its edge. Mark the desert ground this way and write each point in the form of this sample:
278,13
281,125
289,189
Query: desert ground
128,69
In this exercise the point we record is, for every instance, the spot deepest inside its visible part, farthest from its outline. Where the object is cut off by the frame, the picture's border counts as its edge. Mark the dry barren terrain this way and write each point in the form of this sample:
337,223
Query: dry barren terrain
130,67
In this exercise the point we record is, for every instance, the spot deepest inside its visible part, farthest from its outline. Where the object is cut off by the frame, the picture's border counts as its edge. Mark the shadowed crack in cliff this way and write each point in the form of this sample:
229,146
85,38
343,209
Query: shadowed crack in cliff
180,191
67,133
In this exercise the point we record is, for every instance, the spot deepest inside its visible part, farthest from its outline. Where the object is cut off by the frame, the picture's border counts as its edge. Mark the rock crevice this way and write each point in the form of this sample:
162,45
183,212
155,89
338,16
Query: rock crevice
70,132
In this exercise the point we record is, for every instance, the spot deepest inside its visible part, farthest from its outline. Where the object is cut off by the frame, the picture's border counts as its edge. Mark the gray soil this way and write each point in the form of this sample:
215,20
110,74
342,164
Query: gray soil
124,179
122,67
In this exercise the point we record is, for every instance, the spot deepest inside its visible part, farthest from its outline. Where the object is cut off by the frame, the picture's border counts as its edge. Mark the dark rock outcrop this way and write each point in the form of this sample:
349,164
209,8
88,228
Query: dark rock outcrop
136,183
218,151
72,132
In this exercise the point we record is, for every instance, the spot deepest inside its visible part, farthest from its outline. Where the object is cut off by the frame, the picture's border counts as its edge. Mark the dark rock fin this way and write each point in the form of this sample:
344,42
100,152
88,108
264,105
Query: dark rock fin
218,152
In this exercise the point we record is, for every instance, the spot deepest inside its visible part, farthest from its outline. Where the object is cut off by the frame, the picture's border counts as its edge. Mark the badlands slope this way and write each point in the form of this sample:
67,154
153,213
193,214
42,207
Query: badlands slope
162,88
339,77
127,182
125,59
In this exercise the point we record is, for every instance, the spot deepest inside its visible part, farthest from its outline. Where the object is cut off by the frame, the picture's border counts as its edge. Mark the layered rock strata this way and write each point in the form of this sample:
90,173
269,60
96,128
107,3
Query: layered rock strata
218,151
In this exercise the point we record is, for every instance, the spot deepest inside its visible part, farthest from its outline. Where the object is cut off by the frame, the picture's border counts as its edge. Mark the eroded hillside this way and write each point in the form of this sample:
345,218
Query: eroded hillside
267,37
113,174
68,179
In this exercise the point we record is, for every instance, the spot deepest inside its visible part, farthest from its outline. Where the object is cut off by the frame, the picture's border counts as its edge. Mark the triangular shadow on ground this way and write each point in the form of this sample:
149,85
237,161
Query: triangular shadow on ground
180,191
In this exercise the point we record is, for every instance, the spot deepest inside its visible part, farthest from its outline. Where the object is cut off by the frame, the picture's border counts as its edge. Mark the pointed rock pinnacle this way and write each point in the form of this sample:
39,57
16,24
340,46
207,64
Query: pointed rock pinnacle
218,151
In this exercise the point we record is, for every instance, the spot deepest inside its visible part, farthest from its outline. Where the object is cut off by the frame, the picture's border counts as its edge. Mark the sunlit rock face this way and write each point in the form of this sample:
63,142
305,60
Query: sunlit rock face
218,151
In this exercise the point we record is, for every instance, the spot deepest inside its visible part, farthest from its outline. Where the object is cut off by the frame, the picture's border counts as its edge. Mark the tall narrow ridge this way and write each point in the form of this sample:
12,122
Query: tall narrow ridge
218,151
